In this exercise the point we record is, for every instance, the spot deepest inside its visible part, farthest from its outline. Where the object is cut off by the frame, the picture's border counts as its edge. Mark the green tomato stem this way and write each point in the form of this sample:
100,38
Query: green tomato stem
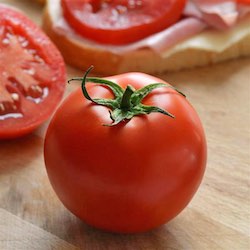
126,98
126,103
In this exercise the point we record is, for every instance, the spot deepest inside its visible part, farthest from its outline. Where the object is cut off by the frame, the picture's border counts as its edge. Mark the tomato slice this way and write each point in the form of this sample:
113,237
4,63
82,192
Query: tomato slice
32,74
120,21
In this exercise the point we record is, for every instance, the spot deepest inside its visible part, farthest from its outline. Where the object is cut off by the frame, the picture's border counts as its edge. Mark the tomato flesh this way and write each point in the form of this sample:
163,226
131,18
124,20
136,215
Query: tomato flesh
121,21
32,74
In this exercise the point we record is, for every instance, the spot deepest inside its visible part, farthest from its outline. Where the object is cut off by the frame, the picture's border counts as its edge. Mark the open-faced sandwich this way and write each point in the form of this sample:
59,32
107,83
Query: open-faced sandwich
149,36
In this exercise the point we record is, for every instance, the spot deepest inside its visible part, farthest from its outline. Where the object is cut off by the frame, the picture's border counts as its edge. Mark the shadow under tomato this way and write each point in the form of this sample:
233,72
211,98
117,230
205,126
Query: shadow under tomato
86,237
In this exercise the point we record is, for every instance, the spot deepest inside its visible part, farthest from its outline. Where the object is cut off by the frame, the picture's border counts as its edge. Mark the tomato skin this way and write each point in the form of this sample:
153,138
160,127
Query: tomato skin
136,23
33,113
131,177
244,1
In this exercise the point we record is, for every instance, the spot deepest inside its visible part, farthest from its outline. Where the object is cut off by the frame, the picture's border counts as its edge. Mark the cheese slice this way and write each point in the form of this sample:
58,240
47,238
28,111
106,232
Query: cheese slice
213,40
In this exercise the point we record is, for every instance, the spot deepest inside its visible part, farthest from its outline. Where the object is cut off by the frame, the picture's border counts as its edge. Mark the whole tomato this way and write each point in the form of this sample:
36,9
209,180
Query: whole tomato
127,160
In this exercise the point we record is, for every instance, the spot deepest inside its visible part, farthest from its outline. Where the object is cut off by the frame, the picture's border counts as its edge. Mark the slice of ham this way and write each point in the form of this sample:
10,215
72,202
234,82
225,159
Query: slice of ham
180,31
220,14
192,10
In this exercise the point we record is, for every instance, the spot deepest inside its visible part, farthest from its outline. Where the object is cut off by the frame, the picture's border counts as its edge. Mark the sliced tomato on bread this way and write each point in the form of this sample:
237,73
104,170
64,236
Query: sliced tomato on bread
121,21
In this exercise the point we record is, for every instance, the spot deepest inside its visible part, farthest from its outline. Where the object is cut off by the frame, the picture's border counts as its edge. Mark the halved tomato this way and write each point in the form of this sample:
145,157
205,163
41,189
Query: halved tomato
121,21
32,74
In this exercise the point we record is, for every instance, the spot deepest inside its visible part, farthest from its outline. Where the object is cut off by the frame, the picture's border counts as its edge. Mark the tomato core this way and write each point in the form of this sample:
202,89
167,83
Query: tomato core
20,77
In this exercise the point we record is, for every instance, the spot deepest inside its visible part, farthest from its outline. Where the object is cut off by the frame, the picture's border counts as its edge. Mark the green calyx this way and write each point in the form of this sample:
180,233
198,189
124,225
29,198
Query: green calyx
126,103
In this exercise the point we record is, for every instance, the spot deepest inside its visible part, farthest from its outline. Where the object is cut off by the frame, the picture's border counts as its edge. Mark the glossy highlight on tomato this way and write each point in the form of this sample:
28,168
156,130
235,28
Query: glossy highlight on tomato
32,74
131,176
121,21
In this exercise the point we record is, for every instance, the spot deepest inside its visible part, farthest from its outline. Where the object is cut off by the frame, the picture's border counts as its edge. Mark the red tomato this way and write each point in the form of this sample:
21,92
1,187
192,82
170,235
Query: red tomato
32,74
121,21
244,1
130,177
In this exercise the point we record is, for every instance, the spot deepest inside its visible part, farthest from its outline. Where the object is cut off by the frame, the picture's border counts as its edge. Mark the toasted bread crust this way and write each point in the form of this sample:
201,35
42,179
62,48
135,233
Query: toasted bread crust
82,55
41,1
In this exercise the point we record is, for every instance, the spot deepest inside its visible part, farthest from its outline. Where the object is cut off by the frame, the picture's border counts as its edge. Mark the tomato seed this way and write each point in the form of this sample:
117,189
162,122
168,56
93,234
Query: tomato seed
15,97
5,41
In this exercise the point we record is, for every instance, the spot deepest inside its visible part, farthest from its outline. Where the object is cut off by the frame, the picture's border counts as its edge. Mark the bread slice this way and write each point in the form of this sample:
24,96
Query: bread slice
206,48
41,1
